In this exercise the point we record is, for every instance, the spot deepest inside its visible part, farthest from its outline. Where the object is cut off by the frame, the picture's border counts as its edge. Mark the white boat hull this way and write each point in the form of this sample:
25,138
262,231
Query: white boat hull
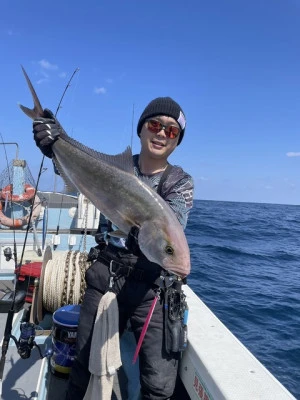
217,366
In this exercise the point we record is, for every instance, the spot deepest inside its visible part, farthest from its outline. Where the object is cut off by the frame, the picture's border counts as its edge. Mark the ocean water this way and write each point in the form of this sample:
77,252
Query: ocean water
246,269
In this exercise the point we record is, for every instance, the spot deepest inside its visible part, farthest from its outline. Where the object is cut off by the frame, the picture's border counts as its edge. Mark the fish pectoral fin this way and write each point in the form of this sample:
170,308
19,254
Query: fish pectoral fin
69,186
118,234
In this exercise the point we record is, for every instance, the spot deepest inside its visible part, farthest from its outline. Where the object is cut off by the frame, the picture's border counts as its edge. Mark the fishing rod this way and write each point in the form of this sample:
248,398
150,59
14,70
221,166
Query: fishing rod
132,122
10,315
58,108
26,341
42,162
64,92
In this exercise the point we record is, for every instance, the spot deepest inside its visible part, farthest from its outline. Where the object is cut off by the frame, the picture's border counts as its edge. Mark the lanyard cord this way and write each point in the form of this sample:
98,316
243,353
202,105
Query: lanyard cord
145,326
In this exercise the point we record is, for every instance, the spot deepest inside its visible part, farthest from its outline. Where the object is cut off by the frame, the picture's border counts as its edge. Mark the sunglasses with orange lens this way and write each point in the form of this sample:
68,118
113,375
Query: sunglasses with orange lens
155,126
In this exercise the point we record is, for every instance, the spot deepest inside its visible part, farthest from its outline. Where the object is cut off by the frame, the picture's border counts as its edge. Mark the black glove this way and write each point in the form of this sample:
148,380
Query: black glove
132,241
46,131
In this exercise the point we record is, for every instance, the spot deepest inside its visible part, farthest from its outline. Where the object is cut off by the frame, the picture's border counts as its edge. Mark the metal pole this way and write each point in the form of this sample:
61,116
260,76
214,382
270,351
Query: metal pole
16,144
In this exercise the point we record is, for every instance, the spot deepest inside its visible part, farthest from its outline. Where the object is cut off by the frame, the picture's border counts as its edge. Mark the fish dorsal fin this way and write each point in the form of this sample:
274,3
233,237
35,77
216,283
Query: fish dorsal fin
122,161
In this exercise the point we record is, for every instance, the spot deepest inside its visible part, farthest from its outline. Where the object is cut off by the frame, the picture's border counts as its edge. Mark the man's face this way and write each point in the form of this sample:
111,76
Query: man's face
156,142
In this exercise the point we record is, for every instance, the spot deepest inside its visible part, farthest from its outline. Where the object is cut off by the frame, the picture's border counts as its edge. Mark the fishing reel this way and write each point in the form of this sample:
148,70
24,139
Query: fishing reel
26,341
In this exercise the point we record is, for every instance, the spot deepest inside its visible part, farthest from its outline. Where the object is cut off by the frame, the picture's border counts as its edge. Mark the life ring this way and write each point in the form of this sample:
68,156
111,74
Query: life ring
29,192
18,223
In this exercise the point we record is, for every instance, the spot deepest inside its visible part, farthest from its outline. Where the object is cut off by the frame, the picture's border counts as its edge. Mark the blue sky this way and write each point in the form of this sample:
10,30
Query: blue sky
234,66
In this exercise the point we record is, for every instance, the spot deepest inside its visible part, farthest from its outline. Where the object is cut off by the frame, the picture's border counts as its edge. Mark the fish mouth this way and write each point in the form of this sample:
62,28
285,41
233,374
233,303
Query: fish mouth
182,267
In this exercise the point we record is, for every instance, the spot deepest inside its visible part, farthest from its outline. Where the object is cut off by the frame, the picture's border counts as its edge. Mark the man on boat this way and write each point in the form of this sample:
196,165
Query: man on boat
161,128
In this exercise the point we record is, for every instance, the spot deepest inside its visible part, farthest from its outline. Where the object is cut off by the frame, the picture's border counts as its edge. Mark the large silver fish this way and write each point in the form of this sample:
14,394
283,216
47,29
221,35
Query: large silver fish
108,181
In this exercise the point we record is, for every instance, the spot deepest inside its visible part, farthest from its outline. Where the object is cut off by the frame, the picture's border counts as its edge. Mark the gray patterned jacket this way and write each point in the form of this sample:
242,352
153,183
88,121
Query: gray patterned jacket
177,190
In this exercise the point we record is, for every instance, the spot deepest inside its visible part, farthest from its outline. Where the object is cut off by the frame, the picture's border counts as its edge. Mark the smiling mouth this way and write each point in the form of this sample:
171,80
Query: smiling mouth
158,143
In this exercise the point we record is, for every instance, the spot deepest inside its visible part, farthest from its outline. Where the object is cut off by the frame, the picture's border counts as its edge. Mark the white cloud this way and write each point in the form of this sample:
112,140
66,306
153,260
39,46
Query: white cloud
41,81
293,154
45,75
100,90
62,75
47,65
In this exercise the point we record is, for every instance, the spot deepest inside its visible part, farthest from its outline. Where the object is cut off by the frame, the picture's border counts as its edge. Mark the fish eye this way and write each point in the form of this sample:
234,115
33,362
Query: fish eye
169,250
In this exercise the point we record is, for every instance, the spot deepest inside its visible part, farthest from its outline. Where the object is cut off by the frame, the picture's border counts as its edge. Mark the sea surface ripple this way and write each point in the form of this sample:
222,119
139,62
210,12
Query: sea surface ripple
246,268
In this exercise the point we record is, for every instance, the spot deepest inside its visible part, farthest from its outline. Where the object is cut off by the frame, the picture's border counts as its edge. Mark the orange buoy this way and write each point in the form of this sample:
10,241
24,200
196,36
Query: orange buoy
6,193
19,222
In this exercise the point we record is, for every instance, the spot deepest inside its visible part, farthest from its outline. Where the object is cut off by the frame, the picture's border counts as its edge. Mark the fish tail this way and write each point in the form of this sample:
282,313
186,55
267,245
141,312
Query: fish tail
37,110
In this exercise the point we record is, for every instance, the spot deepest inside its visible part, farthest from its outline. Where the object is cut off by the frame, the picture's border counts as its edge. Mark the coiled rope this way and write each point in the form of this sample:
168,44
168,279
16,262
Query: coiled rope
64,279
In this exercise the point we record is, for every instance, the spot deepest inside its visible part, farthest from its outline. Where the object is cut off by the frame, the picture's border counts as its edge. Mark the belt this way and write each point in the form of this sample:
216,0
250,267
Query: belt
134,271
127,271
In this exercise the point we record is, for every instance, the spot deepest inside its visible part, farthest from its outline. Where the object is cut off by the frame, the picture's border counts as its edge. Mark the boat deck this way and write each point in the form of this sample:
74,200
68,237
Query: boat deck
32,379
22,378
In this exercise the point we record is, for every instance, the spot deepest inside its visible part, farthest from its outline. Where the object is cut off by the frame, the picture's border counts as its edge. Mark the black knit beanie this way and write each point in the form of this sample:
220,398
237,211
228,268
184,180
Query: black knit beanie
163,106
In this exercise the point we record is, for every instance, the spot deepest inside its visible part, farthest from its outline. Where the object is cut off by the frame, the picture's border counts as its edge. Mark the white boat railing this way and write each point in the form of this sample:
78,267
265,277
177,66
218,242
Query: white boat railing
217,366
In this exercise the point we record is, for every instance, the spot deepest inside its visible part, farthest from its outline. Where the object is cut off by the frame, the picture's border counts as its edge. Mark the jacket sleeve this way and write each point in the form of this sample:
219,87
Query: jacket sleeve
179,194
